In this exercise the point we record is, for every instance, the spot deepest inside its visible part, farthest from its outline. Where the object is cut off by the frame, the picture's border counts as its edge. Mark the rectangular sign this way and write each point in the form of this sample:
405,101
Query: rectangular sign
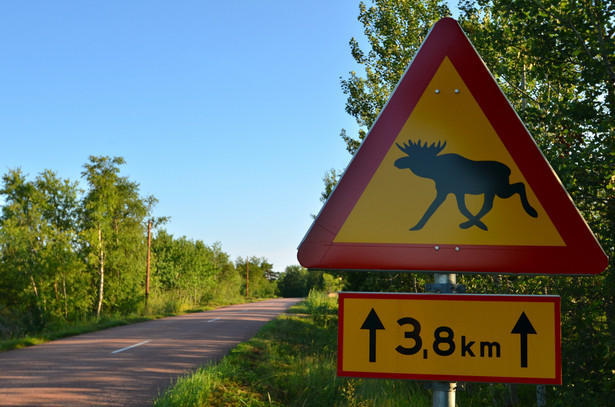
450,337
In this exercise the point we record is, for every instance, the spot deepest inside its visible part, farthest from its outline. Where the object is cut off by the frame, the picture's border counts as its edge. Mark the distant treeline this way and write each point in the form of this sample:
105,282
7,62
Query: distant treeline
67,254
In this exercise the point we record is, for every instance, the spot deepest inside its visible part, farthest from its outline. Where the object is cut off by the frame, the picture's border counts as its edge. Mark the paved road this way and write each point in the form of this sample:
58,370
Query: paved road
129,365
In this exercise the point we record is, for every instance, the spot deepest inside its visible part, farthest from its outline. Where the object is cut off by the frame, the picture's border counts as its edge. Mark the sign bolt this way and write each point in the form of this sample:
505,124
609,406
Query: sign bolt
437,90
456,249
456,90
437,248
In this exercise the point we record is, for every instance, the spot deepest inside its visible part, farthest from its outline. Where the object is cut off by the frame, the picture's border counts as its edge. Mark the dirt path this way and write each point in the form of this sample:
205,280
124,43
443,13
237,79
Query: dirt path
129,365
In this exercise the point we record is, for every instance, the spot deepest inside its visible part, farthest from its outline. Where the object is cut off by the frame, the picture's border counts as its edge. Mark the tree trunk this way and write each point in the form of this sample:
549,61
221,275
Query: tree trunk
38,304
65,297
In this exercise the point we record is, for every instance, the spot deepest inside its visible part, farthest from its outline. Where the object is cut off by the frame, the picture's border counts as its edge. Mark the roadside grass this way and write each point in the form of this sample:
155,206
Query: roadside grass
164,306
292,361
69,329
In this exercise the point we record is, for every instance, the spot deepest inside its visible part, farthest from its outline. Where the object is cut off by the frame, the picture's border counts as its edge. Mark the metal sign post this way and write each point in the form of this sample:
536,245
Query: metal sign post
443,393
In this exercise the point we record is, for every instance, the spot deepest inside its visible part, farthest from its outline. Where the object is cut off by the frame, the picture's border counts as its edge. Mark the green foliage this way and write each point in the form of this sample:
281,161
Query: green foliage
293,282
394,31
384,281
258,277
330,179
113,228
297,281
192,271
555,62
331,283
68,254
40,269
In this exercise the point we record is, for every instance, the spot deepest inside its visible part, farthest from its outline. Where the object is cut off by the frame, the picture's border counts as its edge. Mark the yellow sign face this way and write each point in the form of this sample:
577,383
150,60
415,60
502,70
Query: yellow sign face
450,337
453,154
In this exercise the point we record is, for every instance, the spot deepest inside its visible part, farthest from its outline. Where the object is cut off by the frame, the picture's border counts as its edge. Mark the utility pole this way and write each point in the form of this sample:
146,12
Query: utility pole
247,276
149,249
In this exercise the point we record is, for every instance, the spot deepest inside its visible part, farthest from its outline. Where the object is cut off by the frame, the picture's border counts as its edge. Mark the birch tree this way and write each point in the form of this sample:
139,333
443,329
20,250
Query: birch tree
40,268
114,229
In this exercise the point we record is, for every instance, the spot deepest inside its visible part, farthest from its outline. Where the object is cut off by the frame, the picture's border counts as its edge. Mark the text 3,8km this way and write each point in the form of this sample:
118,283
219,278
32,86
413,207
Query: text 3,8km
444,343
440,336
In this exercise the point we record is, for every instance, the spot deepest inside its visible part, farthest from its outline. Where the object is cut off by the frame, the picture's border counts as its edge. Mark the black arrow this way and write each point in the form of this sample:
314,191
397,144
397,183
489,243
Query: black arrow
373,323
523,327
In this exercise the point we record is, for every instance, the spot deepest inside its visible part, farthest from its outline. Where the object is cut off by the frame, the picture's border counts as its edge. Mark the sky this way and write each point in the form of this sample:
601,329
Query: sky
228,112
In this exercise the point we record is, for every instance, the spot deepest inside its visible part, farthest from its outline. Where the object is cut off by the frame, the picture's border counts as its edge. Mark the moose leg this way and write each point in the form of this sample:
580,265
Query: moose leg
487,206
518,188
473,220
440,197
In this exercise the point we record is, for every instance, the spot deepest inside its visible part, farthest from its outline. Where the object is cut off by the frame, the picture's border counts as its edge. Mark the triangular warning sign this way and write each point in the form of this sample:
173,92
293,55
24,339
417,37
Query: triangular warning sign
449,179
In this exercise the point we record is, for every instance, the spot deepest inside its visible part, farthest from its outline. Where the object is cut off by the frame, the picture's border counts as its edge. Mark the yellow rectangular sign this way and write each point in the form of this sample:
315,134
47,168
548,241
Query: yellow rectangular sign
450,337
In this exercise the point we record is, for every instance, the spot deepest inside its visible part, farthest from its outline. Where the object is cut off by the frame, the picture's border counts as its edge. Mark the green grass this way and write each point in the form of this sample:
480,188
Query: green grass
160,307
290,362
70,329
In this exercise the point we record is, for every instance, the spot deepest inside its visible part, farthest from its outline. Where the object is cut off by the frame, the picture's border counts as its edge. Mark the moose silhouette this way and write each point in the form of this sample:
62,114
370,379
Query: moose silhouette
458,175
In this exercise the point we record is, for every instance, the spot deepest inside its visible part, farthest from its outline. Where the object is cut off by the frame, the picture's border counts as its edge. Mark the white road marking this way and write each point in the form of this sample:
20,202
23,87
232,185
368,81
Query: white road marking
212,320
130,347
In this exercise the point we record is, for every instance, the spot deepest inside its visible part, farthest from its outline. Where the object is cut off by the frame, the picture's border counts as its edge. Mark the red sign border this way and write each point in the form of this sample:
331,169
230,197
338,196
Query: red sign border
582,253
556,300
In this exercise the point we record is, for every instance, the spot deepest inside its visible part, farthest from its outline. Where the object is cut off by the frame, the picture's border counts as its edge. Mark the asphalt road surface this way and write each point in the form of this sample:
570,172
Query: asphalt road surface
129,365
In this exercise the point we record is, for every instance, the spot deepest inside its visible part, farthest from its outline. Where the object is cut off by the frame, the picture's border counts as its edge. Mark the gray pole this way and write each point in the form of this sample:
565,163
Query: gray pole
443,393
149,253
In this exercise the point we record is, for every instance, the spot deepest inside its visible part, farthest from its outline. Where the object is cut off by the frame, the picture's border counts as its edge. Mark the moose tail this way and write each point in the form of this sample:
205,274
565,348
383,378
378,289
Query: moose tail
519,188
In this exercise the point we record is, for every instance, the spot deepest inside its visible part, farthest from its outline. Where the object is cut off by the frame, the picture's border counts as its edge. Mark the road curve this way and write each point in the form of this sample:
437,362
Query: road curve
128,365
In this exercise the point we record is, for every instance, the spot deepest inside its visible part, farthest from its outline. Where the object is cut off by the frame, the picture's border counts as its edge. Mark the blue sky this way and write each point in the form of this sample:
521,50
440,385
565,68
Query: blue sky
228,112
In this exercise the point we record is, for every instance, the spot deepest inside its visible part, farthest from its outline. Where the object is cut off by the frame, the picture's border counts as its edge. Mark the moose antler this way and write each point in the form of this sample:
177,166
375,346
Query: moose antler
411,147
435,148
407,148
